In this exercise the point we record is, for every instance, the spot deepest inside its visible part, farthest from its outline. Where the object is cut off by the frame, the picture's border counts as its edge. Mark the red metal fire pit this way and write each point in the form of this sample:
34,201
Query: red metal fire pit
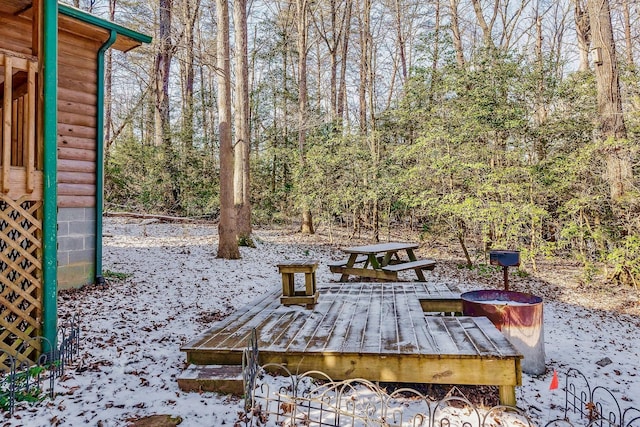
518,316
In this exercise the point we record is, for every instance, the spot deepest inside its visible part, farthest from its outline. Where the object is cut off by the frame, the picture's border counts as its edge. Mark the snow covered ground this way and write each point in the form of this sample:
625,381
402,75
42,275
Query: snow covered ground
132,330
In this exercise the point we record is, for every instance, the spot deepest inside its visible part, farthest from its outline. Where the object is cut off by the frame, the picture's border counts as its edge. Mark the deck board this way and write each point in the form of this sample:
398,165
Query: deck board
245,317
348,322
372,331
375,330
317,342
355,339
425,341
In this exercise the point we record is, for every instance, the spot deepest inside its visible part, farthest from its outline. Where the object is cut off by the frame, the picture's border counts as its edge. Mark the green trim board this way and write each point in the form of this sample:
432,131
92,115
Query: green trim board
50,165
103,23
99,155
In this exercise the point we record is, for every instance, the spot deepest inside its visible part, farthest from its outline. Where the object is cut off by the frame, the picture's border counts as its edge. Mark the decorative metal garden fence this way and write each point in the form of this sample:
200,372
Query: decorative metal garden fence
314,399
34,379
594,407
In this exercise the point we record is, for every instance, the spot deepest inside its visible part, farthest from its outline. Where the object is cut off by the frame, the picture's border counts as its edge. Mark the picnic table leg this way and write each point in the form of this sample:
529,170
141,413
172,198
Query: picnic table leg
386,259
418,271
350,263
374,262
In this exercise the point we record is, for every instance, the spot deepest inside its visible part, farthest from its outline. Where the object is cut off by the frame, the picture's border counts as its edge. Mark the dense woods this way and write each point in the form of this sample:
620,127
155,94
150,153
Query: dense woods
481,123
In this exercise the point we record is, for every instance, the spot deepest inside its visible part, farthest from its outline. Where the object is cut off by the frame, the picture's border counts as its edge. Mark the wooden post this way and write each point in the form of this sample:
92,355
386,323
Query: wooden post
507,395
6,122
29,161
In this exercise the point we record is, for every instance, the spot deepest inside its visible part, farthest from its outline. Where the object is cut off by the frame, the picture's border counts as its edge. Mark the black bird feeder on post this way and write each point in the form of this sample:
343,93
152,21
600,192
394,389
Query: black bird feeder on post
505,259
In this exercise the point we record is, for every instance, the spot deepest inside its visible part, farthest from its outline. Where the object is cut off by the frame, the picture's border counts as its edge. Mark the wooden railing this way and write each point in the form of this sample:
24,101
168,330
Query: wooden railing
18,111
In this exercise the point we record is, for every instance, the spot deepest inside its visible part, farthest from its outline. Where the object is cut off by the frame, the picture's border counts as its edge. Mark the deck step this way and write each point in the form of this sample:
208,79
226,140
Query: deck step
224,379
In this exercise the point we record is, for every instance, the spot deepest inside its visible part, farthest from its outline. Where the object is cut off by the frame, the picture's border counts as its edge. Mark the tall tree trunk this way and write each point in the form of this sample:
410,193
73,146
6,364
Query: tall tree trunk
108,82
455,31
162,123
612,126
302,27
486,27
162,67
540,144
204,100
583,33
227,243
364,72
401,40
243,144
366,95
285,110
373,134
331,38
190,13
626,13
334,61
342,85
436,56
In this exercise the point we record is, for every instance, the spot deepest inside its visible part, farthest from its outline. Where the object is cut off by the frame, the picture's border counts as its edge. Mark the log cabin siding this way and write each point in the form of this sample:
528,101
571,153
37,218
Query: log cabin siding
15,34
80,37
77,98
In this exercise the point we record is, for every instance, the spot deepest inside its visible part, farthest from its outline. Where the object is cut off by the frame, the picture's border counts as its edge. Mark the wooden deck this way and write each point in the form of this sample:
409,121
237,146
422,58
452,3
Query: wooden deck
377,331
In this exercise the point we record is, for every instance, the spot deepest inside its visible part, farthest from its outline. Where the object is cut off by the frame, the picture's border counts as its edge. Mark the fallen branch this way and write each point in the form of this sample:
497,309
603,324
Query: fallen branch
161,218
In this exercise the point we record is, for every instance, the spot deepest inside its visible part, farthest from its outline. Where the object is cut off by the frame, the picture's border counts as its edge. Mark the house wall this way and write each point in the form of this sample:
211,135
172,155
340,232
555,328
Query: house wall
77,99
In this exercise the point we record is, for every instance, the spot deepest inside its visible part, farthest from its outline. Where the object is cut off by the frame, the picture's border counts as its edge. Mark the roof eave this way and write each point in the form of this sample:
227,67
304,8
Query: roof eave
134,36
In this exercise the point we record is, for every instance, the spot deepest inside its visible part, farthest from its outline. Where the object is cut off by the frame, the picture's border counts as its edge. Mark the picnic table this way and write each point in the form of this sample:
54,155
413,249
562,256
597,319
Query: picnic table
381,261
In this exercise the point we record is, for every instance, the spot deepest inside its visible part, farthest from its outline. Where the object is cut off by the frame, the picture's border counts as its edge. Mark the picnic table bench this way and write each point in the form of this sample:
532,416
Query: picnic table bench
381,261
422,264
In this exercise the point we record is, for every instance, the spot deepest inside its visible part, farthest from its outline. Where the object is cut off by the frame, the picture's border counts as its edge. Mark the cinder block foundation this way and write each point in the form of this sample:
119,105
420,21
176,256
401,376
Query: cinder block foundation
76,247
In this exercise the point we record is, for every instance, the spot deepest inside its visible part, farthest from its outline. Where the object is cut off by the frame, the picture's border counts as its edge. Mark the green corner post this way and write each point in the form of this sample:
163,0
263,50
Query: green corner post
50,209
100,154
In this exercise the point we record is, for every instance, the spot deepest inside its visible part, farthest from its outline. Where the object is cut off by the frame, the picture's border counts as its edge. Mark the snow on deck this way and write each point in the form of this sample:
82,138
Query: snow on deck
376,331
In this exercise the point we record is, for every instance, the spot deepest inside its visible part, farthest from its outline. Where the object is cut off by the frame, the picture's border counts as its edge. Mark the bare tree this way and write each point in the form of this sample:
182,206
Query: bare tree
486,27
583,33
342,84
541,113
364,17
401,38
227,243
455,32
162,66
331,20
162,134
302,14
108,81
242,144
626,13
436,50
612,126
189,13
